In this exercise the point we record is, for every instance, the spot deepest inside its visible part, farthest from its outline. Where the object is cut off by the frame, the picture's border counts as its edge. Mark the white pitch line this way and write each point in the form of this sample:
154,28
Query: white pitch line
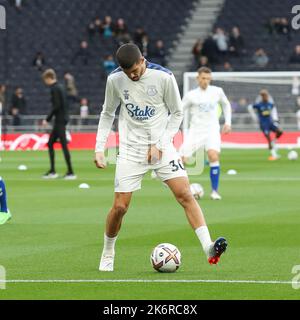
149,281
238,178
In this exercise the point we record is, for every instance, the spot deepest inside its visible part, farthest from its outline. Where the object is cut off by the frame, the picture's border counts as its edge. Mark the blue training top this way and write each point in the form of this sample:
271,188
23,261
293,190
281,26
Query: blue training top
264,110
3,204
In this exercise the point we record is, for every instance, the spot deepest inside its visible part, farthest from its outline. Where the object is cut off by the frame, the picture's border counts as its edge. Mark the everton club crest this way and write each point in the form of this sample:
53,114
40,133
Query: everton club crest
151,91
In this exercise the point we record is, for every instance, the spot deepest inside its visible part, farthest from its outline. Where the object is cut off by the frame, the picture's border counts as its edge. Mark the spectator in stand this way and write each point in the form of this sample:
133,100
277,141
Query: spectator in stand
18,106
83,53
39,61
295,57
285,27
210,50
221,41
3,96
260,58
98,25
109,64
279,26
71,89
236,42
121,32
203,62
145,45
18,4
242,105
197,49
138,36
123,38
158,54
107,27
120,27
227,67
91,30
84,111
272,25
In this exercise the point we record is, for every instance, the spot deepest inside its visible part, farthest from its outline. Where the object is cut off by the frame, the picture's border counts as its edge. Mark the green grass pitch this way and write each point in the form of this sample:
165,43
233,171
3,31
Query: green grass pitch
57,229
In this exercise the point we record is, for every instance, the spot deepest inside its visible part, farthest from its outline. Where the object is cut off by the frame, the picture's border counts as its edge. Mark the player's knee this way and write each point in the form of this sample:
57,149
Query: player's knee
184,197
120,208
279,133
213,156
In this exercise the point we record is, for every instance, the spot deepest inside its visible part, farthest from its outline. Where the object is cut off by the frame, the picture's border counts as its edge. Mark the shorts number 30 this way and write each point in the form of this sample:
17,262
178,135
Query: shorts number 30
176,165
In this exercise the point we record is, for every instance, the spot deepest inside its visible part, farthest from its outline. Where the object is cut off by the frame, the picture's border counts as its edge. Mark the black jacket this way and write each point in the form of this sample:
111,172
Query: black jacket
18,103
60,108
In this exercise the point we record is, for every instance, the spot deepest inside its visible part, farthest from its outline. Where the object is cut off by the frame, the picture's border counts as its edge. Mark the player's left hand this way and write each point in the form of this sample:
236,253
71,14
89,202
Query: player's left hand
226,129
154,155
44,123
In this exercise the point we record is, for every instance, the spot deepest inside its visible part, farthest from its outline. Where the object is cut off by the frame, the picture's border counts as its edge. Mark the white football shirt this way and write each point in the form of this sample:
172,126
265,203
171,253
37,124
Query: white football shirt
150,112
201,108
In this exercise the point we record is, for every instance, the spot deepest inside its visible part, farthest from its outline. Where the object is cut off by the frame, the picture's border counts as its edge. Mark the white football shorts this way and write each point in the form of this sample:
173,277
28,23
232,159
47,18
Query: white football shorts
129,174
196,139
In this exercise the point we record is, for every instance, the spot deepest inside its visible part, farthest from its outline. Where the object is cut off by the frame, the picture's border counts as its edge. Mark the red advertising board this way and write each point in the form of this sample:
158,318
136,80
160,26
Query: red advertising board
86,141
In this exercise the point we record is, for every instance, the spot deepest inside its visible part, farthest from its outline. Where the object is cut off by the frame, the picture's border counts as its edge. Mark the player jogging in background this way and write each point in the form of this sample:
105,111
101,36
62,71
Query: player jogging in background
268,121
146,93
4,212
201,124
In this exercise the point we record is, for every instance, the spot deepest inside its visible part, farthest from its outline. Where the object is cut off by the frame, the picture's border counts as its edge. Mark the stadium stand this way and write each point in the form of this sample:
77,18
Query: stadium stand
263,28
57,28
253,19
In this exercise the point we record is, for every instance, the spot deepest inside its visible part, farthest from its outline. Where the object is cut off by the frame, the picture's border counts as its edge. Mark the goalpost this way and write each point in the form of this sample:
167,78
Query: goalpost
242,89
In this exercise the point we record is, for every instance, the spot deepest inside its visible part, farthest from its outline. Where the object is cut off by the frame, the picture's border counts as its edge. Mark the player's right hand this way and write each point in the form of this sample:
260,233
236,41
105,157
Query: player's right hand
184,160
44,123
154,155
100,160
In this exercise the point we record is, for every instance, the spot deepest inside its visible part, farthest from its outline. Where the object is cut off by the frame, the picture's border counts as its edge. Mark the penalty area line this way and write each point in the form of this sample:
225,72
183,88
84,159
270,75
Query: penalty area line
148,281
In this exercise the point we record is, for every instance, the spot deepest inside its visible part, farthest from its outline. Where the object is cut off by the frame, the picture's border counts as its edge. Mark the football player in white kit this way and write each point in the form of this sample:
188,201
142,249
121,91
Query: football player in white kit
146,93
201,124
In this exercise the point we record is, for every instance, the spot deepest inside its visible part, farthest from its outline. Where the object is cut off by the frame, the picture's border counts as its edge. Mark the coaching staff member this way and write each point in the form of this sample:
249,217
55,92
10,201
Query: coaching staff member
60,114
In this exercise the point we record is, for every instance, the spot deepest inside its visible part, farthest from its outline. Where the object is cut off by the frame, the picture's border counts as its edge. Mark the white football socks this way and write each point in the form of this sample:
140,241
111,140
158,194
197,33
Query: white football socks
109,245
204,237
274,153
214,164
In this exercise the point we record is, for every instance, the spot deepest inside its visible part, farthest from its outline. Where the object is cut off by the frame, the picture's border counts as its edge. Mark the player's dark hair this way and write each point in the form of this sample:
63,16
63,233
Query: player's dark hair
204,70
127,55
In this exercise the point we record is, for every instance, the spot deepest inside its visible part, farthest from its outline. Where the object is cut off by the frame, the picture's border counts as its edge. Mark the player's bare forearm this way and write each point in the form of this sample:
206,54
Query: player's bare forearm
100,160
154,155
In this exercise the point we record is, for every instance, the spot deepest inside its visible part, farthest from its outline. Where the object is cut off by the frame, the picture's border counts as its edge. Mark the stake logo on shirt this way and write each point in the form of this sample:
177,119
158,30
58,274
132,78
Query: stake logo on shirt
205,106
138,113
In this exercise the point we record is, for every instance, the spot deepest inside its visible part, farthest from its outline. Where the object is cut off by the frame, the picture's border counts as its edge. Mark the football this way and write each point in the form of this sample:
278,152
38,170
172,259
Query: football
293,155
197,190
165,258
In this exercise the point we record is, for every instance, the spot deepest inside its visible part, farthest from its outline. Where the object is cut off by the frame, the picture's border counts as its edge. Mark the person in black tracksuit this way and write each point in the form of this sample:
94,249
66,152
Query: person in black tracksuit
60,114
